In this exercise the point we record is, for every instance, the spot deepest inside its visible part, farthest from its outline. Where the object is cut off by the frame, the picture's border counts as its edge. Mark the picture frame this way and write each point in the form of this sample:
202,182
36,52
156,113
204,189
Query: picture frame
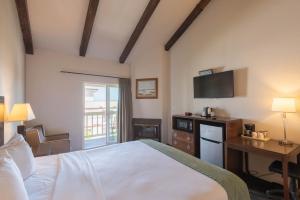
147,88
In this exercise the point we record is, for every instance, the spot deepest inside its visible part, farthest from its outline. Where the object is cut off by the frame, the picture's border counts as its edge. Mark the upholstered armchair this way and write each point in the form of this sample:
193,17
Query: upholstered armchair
59,143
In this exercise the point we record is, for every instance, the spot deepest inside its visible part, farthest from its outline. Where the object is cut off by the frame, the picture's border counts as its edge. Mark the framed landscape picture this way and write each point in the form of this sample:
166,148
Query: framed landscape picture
147,88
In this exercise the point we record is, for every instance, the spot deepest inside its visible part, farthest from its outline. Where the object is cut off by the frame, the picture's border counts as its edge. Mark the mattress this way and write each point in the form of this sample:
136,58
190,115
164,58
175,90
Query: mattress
130,171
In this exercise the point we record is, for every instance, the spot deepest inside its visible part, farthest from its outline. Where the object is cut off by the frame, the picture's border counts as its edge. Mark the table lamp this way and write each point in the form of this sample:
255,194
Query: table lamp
284,105
21,113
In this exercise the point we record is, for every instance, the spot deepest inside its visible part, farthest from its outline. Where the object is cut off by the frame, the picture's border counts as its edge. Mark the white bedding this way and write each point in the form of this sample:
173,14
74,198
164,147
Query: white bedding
128,171
77,169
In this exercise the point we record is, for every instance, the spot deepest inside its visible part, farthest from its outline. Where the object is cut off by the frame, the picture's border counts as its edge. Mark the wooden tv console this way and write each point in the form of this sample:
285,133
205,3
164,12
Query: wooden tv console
189,142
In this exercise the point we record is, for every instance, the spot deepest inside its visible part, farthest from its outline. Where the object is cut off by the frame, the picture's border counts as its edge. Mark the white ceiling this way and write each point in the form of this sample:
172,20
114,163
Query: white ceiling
57,25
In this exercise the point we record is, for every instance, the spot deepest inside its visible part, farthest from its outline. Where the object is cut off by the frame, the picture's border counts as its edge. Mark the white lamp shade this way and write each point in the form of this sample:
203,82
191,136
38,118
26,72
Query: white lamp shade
287,105
21,112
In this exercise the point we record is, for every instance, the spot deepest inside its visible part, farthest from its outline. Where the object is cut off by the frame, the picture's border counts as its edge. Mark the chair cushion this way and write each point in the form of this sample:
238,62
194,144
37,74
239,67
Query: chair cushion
39,132
293,168
32,137
40,128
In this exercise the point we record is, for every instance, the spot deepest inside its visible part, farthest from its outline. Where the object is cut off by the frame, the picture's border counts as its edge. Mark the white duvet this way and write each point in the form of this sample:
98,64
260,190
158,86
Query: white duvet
128,171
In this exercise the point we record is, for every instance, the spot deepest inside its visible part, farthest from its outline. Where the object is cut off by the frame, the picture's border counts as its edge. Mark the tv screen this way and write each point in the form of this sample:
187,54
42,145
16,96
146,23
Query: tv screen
219,85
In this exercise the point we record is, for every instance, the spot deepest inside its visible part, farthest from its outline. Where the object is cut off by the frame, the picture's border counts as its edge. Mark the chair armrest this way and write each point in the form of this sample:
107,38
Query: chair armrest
57,141
59,146
42,149
57,136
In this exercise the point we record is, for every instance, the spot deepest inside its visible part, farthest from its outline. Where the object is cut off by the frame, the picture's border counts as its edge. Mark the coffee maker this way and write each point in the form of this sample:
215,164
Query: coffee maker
249,128
208,112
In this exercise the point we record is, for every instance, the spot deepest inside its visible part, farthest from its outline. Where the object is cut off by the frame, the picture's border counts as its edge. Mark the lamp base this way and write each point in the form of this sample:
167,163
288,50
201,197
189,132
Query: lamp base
285,142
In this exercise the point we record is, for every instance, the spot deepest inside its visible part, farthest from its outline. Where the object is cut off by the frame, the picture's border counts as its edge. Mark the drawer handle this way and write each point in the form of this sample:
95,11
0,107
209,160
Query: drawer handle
175,134
188,138
175,142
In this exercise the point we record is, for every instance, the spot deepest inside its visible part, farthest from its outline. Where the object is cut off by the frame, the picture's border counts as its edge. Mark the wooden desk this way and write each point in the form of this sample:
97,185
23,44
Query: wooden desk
270,149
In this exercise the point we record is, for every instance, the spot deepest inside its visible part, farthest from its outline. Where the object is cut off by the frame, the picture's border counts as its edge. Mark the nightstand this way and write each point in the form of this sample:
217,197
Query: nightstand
41,150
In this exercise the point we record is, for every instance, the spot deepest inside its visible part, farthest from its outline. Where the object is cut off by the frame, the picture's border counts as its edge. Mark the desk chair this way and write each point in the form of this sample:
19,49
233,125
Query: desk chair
294,174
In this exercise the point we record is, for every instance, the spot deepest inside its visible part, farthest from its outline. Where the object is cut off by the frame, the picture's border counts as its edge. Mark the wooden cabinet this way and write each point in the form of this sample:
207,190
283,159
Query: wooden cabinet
189,141
184,141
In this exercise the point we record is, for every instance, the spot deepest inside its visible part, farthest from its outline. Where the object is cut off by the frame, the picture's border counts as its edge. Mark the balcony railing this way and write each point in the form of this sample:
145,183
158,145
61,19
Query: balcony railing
96,122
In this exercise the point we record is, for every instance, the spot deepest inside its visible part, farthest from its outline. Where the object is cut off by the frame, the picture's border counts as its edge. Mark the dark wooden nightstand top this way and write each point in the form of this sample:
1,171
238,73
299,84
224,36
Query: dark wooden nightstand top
41,150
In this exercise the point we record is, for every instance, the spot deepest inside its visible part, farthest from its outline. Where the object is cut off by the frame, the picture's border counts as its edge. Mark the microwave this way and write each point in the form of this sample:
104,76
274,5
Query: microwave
183,124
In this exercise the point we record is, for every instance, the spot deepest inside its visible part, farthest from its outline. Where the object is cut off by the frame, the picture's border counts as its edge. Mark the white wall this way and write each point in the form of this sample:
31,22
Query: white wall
154,63
11,59
57,99
261,38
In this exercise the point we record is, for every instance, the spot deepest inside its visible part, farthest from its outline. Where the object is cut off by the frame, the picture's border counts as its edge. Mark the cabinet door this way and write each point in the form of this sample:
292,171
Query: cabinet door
212,132
183,136
211,152
184,146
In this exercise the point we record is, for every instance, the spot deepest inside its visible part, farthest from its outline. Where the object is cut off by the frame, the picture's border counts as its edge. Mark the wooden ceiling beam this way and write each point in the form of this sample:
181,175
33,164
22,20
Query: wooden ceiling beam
138,29
88,26
185,25
25,25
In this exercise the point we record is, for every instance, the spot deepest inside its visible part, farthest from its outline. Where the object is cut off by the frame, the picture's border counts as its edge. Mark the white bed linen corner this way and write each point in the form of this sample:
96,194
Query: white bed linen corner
128,171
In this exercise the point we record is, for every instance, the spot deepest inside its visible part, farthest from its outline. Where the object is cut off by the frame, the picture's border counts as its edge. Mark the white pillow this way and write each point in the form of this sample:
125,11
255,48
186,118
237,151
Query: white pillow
21,153
11,182
16,139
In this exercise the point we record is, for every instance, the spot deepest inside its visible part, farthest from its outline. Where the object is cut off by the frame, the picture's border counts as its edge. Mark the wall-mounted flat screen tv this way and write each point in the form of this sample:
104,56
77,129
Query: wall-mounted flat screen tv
218,85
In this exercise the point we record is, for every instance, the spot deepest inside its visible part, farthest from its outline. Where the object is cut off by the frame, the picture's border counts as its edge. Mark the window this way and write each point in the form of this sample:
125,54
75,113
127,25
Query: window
101,115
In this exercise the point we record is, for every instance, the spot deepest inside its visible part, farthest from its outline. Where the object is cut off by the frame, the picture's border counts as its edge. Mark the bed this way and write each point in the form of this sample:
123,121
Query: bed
137,170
